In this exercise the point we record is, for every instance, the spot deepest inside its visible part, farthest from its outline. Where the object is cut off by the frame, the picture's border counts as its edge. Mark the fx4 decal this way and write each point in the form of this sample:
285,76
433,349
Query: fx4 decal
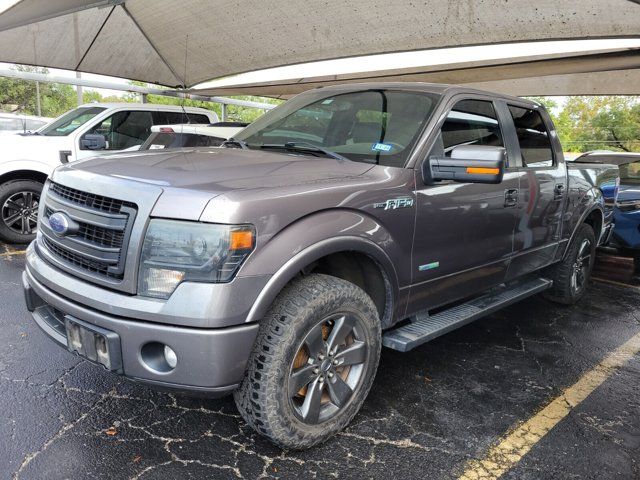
395,203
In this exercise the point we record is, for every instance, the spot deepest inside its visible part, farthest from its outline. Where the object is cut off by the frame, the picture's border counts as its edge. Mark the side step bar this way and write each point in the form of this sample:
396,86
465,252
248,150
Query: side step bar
425,327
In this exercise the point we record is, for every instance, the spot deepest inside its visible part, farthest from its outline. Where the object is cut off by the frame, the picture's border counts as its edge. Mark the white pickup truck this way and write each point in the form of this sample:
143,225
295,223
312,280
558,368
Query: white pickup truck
89,130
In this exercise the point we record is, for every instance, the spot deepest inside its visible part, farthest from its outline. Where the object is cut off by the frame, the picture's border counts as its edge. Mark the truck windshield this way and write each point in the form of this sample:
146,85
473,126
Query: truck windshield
70,121
373,126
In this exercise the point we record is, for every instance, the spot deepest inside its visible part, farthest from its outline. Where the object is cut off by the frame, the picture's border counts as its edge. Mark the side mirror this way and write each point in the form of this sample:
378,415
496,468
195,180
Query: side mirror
93,141
468,164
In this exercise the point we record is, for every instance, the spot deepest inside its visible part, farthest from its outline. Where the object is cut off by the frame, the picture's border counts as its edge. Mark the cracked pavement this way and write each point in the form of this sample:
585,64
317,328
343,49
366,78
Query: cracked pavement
429,412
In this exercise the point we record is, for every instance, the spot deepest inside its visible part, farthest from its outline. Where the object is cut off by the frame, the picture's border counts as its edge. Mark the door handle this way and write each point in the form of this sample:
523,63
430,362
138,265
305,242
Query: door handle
511,197
558,191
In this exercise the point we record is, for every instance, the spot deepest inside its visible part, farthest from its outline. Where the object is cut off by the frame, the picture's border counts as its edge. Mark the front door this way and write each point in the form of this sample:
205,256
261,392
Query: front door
464,231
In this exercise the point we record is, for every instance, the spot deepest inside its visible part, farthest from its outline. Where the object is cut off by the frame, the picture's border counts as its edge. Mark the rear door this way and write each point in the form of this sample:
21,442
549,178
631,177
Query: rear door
543,188
464,231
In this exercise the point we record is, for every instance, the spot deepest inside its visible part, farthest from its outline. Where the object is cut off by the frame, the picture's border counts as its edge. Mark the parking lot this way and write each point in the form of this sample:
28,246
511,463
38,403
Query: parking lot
440,411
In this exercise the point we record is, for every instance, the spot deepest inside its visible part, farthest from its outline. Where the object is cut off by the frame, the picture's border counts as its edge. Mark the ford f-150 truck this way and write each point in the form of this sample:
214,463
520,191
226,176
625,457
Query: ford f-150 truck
86,131
346,219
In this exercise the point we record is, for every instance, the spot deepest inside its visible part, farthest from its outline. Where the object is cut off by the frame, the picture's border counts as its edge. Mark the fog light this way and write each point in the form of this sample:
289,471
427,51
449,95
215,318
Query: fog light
170,356
160,282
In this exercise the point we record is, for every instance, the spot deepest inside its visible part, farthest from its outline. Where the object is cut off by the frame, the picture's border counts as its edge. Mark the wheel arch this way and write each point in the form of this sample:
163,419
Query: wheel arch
375,271
23,174
594,217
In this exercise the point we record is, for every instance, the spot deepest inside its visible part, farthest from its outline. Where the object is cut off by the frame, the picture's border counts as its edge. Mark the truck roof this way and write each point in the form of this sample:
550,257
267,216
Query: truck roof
146,106
438,88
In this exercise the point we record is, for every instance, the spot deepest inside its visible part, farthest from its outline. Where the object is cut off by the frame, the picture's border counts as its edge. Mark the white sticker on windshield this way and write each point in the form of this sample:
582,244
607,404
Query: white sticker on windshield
381,147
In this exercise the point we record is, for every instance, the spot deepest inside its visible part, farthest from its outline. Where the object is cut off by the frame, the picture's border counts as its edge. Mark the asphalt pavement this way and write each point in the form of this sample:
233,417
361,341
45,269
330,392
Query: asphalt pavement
431,413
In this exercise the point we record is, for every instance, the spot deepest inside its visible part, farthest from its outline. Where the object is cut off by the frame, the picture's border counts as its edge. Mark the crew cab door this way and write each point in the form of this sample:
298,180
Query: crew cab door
543,188
464,231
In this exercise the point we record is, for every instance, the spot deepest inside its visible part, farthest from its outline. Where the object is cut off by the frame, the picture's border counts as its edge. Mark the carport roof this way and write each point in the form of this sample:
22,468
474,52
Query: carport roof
176,43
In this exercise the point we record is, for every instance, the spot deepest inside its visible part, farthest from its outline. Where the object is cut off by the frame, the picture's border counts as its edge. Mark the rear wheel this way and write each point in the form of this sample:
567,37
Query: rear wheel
313,363
19,201
571,276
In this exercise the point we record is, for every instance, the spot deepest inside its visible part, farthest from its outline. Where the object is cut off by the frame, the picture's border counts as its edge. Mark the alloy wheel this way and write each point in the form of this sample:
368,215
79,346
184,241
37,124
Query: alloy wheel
327,368
20,212
581,266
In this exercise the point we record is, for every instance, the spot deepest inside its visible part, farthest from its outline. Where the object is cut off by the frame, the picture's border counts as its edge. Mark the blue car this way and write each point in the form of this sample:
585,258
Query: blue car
626,232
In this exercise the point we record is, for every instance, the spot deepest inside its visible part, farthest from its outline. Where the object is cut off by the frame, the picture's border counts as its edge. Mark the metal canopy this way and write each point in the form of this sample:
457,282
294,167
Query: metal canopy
175,43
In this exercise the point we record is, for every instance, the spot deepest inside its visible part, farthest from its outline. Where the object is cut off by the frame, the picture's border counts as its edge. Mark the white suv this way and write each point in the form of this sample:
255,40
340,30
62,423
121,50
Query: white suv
87,131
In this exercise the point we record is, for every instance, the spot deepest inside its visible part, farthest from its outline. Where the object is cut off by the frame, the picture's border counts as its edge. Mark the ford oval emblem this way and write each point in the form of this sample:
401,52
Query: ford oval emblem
59,223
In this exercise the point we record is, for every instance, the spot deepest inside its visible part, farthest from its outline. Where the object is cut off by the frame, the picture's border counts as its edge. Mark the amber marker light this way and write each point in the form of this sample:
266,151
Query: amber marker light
483,171
241,240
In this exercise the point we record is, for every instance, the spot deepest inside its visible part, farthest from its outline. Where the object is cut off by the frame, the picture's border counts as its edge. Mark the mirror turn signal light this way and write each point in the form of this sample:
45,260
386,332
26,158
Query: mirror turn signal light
483,171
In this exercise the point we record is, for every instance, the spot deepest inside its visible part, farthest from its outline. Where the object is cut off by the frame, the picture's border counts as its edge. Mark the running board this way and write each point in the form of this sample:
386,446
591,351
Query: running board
425,327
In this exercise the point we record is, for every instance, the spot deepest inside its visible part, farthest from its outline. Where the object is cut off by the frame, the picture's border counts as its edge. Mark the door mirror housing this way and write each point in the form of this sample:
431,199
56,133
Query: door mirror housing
467,164
93,141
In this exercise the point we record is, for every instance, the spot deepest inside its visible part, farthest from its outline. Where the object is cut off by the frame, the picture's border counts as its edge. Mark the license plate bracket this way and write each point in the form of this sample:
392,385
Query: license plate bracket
96,344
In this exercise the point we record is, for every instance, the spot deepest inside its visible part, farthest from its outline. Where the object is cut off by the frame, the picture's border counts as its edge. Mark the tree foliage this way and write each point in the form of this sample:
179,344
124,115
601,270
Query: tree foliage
19,96
586,123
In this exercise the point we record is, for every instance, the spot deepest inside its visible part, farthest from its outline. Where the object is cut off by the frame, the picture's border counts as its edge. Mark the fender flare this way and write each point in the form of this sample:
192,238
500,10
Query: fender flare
594,207
25,165
314,252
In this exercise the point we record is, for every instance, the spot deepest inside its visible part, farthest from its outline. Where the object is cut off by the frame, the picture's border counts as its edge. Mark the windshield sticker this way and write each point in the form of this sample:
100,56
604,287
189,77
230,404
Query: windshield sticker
381,147
328,101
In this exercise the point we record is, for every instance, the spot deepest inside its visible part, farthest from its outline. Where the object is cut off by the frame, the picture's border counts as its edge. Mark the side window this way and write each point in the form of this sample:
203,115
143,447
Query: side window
471,122
125,129
533,137
198,118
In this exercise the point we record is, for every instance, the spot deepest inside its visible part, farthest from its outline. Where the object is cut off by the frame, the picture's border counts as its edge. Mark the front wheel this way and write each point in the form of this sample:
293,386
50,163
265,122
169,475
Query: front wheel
19,200
313,362
571,276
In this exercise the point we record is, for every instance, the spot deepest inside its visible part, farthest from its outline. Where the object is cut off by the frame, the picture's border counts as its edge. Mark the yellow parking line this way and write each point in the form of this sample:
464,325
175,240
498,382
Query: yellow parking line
10,253
613,282
515,445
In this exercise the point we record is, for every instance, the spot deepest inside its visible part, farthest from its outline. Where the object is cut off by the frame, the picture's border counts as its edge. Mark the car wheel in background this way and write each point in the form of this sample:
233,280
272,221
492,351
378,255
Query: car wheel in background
19,201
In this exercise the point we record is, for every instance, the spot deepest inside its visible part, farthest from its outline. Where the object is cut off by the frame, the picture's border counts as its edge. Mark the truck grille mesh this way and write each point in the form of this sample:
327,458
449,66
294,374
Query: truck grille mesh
96,243
90,200
79,260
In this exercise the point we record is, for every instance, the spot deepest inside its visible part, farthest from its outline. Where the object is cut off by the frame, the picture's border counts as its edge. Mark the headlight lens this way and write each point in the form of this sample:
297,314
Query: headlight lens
176,252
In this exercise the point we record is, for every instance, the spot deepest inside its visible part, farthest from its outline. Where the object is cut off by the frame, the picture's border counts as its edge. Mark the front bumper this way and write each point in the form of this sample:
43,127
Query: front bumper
210,360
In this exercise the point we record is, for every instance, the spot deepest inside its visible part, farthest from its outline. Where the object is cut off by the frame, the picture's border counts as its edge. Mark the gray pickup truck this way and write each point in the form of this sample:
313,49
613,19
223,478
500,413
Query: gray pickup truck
347,219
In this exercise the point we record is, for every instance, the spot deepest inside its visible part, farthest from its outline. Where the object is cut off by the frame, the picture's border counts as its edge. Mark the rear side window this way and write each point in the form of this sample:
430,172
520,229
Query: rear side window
198,118
471,122
533,136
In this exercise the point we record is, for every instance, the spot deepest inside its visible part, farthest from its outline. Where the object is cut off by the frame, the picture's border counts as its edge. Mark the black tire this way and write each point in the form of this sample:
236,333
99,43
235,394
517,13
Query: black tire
267,398
21,198
571,276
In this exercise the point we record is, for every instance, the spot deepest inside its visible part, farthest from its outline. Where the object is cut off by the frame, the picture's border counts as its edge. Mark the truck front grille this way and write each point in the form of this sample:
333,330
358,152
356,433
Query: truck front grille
97,245
84,263
89,200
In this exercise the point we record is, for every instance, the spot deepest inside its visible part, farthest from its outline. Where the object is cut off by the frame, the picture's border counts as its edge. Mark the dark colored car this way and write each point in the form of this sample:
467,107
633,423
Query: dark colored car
346,219
626,232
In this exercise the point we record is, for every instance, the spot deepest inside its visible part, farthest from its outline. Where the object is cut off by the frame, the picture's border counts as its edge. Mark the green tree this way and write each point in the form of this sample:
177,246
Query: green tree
19,96
587,123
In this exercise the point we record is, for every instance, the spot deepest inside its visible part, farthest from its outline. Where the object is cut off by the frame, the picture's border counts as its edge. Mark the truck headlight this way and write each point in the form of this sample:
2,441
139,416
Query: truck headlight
175,251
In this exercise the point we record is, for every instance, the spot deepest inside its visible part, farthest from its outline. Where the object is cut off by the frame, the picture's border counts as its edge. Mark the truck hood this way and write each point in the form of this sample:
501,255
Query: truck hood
218,170
31,147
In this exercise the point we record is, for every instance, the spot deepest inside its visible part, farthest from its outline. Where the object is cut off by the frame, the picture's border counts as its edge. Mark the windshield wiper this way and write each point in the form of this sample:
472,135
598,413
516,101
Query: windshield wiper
305,147
232,142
